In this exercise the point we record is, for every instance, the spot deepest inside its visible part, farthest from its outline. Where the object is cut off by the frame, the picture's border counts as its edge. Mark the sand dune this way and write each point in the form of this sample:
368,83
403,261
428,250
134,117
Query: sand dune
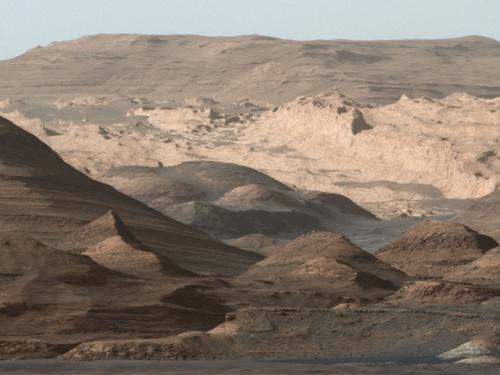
256,141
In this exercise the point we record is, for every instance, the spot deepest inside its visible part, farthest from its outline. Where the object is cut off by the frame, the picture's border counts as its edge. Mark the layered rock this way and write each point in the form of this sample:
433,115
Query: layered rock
434,249
325,260
46,198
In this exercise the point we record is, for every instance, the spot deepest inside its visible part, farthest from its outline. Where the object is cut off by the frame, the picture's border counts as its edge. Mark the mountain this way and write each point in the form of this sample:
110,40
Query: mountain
47,199
311,114
254,67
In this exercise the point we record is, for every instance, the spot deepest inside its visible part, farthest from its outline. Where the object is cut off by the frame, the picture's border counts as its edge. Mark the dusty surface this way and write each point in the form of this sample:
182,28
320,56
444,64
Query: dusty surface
88,272
354,303
108,292
357,331
234,368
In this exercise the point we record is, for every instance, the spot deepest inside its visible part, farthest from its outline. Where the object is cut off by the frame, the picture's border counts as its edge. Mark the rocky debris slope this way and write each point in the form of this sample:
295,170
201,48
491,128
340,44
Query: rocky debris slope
431,292
482,271
434,249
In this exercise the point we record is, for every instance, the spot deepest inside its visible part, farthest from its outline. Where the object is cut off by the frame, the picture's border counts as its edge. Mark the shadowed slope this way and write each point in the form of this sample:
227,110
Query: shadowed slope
109,242
46,198
228,200
327,260
483,215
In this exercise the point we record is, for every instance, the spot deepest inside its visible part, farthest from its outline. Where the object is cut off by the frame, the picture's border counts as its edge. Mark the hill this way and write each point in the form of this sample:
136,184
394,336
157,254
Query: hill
47,199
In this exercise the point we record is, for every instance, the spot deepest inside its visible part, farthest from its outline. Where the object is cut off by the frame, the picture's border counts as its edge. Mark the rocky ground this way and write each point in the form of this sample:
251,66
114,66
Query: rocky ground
257,102
434,155
157,225
82,283
236,367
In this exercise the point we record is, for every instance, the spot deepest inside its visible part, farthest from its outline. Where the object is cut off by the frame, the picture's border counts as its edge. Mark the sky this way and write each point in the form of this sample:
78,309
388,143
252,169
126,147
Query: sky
27,23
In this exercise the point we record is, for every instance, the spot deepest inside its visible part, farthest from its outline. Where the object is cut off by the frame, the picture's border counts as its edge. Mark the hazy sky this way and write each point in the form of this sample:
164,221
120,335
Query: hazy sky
27,23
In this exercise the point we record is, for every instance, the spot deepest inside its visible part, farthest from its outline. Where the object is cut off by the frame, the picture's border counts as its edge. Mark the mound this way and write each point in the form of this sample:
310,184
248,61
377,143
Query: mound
109,242
152,189
258,243
336,205
228,200
435,248
107,226
57,199
223,223
27,265
259,197
61,299
483,271
328,260
483,215
441,293
213,179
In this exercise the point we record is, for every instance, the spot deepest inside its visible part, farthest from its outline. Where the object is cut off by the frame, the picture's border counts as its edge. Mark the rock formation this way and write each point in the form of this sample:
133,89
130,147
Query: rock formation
434,249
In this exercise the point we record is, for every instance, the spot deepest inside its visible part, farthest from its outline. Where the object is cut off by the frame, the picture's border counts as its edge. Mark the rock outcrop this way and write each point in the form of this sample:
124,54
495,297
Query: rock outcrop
434,249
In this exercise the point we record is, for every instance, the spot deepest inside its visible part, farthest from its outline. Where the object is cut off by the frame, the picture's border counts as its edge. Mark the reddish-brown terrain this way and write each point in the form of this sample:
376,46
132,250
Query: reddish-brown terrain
147,218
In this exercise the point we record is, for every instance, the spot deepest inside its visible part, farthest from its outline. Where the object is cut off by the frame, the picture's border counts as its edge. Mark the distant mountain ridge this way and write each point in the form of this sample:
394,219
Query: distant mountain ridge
260,68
